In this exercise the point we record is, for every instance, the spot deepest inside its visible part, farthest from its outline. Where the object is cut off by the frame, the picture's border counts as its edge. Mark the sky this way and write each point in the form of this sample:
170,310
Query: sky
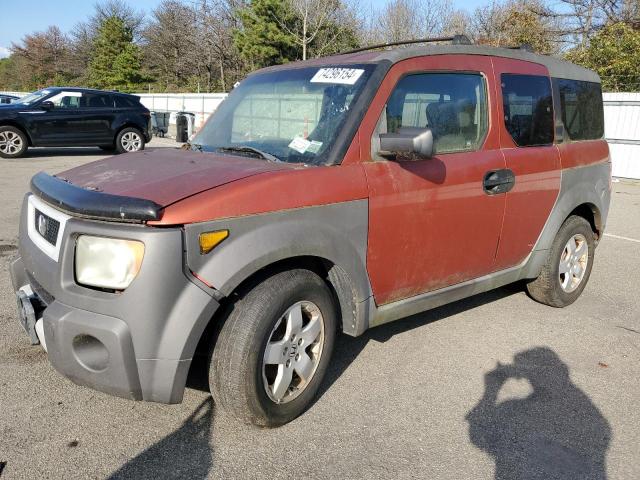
19,18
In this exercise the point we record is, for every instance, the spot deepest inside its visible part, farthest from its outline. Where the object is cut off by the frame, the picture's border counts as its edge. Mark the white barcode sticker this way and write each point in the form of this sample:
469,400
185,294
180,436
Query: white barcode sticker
299,144
343,76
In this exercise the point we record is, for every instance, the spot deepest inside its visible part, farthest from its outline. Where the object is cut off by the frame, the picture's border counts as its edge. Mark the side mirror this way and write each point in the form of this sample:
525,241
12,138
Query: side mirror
418,141
46,105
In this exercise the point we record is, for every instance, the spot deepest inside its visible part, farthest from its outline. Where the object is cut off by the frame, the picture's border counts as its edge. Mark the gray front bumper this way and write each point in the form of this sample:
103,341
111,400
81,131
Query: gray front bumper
136,344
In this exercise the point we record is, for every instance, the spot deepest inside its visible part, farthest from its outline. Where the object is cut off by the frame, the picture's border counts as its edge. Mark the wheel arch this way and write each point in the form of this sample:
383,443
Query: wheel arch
330,240
351,313
127,124
11,123
584,191
591,213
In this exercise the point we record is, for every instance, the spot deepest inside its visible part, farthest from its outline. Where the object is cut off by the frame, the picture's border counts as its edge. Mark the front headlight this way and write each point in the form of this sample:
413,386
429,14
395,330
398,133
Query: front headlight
107,262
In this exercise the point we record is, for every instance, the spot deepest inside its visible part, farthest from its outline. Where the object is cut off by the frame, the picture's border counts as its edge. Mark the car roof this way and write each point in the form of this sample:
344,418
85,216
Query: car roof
557,67
87,90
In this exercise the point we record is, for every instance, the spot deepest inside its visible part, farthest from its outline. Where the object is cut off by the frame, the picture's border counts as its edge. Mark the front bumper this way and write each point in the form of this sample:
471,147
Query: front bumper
138,343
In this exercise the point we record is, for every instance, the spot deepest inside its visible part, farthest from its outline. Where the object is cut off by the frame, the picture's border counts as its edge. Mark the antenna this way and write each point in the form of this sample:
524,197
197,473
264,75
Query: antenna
455,40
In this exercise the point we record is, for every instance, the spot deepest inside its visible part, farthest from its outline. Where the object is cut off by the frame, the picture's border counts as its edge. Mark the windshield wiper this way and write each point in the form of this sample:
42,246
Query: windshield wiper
246,149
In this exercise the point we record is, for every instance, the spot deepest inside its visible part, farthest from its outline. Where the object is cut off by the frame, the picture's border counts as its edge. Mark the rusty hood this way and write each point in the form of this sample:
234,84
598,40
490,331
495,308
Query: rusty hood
166,175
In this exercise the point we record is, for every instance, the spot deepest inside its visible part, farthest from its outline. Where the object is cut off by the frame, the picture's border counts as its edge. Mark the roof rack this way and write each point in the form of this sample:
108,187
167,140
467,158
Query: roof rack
527,47
455,40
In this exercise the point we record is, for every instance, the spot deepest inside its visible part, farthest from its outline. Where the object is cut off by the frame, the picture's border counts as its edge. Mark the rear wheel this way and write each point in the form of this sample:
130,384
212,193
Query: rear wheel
129,140
274,349
13,143
568,267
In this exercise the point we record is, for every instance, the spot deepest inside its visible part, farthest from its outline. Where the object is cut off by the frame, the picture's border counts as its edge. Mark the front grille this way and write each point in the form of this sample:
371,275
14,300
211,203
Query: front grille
47,227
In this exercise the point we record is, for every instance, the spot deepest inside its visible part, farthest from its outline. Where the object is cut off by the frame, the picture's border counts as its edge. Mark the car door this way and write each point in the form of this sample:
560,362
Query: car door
98,114
61,124
432,223
527,138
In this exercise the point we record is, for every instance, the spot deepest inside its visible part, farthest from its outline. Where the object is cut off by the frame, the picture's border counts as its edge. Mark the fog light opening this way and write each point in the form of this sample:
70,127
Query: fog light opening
90,353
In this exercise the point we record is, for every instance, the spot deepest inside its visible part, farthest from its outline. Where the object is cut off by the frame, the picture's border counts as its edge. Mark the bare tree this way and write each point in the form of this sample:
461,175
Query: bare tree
170,42
411,19
45,56
579,20
315,16
513,23
216,51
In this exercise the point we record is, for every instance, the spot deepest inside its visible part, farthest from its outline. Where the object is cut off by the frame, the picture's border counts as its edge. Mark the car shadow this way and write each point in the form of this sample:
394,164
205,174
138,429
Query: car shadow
555,432
185,453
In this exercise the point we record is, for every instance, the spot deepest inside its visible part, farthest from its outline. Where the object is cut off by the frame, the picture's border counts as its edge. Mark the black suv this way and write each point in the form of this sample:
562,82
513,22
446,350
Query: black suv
74,117
6,99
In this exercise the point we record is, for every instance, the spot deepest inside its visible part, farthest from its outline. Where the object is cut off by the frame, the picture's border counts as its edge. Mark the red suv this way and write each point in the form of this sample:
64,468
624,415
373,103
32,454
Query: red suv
324,196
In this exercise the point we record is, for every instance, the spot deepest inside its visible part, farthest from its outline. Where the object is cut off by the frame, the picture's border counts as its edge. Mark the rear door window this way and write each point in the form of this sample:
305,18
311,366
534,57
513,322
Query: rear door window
582,111
528,109
452,105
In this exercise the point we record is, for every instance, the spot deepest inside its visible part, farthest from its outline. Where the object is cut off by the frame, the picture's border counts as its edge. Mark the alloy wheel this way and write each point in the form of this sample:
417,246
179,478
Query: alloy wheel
293,352
573,263
131,142
10,143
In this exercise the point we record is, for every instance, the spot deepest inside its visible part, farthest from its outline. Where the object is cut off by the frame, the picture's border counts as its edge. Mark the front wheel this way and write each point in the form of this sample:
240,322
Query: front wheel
13,143
568,267
274,348
129,140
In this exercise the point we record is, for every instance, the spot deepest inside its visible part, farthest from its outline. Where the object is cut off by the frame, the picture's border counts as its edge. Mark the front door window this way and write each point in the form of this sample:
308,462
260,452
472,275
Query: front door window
452,105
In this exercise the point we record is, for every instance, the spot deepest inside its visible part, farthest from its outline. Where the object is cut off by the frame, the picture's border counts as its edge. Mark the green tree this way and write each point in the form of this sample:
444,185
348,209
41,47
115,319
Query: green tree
261,40
116,61
614,53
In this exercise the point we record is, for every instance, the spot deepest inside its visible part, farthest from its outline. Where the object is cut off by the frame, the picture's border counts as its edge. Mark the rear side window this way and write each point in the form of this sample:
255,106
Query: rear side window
125,102
452,105
582,111
528,109
98,100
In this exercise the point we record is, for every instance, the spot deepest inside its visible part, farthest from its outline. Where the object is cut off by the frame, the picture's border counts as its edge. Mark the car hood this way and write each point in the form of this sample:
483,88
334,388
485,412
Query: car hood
11,107
166,175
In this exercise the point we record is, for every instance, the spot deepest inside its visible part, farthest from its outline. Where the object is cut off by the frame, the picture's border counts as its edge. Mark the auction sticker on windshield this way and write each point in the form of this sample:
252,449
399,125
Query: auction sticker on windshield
343,76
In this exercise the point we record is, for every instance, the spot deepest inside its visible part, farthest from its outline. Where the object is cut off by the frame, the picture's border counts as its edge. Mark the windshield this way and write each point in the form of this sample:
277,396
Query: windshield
33,97
294,115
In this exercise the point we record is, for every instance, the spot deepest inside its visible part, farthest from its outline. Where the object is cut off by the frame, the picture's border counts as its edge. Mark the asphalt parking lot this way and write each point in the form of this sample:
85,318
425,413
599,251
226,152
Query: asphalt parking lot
419,398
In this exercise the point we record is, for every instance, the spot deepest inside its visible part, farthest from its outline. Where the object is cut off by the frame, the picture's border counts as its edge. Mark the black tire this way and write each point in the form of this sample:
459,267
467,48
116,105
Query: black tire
13,142
547,287
236,361
122,143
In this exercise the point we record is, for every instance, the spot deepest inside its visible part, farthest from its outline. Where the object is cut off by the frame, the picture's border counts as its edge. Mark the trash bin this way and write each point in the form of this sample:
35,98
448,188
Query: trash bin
191,124
182,128
158,124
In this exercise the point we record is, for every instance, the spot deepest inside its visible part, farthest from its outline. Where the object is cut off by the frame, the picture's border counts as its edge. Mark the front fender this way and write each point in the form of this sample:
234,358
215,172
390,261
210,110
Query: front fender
335,232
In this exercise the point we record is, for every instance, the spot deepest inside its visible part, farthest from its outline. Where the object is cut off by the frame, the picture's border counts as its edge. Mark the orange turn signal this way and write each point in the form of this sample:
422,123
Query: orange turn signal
209,240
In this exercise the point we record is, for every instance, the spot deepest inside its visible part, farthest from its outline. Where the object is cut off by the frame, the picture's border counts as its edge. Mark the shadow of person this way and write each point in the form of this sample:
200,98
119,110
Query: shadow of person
555,432
185,453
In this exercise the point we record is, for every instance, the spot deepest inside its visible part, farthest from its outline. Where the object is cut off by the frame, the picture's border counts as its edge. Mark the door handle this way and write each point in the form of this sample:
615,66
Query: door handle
498,181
